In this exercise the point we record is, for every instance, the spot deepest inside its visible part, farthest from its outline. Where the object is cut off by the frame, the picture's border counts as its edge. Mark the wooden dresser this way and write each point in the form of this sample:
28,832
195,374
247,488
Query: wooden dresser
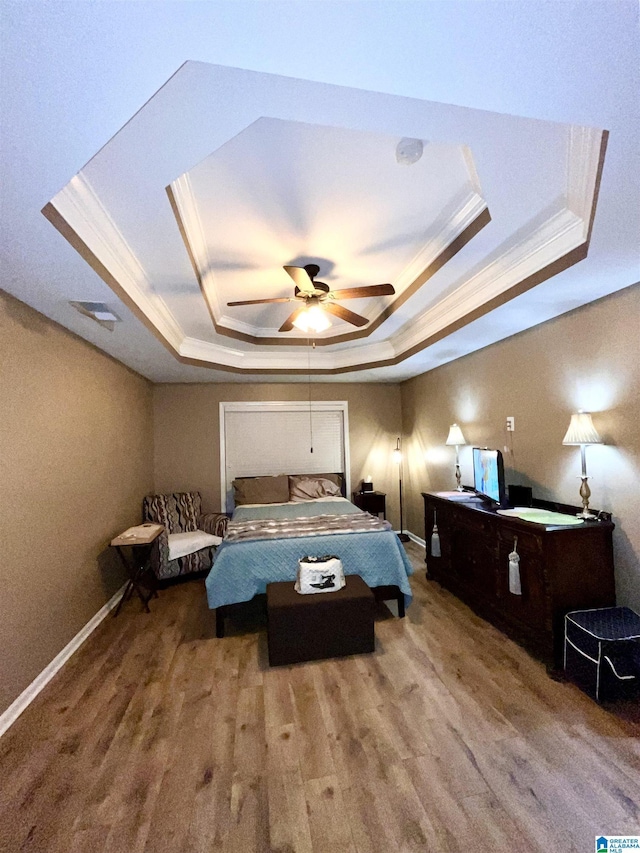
561,568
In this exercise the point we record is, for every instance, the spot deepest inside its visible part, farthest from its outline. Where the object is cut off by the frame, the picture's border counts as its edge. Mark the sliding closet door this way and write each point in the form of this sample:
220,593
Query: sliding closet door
258,439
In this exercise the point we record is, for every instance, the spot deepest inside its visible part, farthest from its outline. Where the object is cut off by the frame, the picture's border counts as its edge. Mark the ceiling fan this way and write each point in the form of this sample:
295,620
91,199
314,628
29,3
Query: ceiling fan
318,300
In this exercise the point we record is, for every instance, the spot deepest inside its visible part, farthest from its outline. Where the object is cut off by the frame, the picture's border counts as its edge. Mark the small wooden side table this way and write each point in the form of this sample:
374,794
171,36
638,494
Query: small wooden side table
373,502
140,540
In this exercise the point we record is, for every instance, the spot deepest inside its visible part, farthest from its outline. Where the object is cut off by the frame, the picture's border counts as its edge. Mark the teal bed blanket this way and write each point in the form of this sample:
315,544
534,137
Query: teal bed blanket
243,569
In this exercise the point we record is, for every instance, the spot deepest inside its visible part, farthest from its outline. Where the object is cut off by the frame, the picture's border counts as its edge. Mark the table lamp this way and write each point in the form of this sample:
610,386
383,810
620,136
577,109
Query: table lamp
582,431
456,438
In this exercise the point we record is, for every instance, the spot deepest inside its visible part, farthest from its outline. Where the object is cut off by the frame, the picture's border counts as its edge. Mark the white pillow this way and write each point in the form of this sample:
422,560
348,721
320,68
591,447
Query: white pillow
181,544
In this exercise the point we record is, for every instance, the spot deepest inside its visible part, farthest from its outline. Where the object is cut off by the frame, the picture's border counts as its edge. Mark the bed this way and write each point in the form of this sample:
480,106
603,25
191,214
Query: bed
265,540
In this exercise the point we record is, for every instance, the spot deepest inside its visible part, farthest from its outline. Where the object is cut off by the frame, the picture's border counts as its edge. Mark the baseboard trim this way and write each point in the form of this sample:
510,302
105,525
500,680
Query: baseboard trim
27,696
414,538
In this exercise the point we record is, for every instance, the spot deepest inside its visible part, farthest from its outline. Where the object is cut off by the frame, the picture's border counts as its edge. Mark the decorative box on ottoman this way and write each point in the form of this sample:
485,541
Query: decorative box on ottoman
322,625
602,650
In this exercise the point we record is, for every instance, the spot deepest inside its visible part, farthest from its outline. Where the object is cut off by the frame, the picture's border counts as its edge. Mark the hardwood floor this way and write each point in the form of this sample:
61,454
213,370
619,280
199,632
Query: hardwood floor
156,736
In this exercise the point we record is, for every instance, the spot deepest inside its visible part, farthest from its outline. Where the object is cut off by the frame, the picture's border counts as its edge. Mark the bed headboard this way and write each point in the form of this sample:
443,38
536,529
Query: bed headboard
277,485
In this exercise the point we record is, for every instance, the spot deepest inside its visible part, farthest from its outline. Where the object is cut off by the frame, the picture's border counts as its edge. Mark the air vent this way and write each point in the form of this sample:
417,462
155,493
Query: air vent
99,312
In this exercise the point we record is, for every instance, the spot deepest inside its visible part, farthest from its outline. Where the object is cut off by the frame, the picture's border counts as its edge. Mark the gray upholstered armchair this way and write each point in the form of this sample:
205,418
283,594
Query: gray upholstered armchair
189,538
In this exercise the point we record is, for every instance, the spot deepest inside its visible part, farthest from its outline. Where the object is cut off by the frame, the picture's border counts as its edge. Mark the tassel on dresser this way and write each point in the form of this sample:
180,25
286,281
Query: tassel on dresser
435,539
515,586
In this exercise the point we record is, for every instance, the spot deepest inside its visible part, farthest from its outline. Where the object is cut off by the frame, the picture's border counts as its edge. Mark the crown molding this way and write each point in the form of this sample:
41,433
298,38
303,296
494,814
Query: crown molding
584,161
468,211
554,239
547,248
193,350
185,210
80,207
523,263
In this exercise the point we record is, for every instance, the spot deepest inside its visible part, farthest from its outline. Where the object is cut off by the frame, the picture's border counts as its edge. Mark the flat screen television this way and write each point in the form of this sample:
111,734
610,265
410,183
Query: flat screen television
488,474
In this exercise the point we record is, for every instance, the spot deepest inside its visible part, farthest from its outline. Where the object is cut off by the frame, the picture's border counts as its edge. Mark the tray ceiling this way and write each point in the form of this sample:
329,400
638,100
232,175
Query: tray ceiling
225,176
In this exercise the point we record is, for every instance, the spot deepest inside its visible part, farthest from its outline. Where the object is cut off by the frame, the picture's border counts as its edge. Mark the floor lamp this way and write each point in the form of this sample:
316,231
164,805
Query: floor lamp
397,458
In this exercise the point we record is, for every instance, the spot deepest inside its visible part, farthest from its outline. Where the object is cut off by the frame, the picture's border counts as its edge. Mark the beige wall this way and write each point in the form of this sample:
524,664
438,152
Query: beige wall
82,439
588,359
75,460
187,432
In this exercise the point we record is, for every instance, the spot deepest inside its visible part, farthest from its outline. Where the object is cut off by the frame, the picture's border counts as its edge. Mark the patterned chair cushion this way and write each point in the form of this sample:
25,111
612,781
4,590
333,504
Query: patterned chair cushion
177,512
214,523
180,512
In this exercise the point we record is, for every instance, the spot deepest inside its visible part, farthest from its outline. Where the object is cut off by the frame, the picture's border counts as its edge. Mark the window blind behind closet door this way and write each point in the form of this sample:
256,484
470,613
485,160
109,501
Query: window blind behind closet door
279,442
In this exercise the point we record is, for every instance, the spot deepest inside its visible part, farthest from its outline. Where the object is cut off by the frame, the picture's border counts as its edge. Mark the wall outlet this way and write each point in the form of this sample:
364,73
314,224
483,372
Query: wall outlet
511,424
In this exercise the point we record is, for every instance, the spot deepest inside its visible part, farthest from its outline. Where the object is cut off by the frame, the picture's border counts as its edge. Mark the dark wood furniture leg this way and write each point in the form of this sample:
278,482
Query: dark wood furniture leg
125,596
220,614
386,593
136,568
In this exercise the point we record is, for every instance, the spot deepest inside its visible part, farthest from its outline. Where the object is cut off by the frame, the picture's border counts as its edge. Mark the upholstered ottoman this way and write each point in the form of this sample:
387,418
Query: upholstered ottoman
323,625
602,650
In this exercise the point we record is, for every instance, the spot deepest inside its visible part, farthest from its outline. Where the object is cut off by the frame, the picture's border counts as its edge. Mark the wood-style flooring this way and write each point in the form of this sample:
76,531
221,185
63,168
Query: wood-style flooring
156,737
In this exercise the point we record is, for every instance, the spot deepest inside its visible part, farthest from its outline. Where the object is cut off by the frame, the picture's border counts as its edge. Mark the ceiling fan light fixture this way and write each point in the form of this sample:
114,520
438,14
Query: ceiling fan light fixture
314,319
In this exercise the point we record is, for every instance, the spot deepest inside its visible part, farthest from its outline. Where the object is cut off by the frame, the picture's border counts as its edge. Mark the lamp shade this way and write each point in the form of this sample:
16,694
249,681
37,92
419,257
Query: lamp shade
397,453
581,430
455,435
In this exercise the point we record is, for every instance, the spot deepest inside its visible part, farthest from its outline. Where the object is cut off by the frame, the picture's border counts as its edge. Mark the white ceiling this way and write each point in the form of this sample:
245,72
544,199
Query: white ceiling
284,191
104,109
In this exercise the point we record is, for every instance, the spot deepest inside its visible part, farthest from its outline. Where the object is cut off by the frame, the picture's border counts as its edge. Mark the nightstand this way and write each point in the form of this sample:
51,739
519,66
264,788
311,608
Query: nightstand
373,502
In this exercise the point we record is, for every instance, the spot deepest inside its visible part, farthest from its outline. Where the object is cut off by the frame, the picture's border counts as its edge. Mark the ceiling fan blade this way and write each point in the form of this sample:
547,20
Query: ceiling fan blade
301,278
288,323
345,314
358,292
263,301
